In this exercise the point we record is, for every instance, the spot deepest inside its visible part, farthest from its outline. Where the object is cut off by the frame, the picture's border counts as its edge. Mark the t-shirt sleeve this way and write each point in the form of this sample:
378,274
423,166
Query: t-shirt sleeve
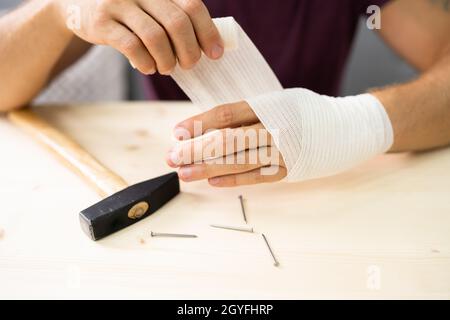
362,5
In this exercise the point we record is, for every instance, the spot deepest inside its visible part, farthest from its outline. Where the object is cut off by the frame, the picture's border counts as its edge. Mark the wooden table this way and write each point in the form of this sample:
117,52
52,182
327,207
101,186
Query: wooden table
381,230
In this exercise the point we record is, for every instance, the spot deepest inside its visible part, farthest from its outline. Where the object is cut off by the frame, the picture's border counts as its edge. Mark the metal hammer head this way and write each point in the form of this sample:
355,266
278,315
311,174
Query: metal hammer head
128,206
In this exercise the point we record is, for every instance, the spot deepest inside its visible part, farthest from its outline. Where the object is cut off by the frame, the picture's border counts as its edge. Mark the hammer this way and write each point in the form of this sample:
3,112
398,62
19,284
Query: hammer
122,205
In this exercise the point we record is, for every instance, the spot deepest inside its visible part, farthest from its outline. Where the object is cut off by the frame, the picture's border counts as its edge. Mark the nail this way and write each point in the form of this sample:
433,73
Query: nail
175,158
241,199
232,228
185,173
181,133
215,181
275,261
132,65
216,51
172,235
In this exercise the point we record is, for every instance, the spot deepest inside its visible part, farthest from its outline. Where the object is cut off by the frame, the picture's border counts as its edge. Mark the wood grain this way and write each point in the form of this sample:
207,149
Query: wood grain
331,236
103,180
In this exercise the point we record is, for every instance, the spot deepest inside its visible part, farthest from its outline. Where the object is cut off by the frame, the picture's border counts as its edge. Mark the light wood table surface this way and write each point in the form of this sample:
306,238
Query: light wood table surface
381,230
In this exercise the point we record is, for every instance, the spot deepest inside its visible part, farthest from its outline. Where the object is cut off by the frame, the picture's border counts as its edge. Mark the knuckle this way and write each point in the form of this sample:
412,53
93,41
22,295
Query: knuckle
192,7
178,22
155,35
224,115
129,45
211,35
100,18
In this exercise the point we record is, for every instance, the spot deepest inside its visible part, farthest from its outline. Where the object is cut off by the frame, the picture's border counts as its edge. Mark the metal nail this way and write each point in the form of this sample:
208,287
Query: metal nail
276,263
172,235
243,209
242,229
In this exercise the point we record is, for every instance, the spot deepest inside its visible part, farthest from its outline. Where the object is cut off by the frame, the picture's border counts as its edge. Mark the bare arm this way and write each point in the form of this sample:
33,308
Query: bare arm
35,43
419,30
34,46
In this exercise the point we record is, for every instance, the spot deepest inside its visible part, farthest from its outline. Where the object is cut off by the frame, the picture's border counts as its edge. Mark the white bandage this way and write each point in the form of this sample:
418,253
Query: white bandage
319,135
316,135
241,73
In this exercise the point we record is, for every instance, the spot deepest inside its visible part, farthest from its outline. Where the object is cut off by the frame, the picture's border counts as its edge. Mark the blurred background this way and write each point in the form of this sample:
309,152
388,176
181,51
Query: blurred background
371,64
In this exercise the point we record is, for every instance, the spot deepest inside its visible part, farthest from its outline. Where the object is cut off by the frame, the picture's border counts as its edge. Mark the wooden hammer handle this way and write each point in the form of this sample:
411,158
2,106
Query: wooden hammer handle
104,181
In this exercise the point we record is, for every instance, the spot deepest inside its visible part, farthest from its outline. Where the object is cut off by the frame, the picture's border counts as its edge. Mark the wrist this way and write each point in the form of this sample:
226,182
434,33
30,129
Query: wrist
319,136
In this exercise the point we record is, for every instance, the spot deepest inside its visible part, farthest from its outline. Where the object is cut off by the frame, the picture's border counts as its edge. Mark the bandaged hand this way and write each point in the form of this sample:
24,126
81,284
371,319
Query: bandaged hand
308,136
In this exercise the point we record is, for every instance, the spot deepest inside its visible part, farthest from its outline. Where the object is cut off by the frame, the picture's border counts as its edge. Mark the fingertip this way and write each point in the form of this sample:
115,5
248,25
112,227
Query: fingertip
148,72
182,178
185,174
169,160
215,182
216,51
167,72
181,133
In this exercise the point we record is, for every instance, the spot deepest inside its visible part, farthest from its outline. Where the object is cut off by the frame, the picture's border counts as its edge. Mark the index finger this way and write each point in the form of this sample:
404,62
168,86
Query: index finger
206,31
225,116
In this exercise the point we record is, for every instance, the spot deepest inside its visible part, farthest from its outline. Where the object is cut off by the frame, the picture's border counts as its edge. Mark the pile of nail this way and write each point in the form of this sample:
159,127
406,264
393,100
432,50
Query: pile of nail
232,228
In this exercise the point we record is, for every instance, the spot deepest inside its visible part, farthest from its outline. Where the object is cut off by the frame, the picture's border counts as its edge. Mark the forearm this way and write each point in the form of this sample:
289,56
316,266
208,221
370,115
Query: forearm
32,39
420,110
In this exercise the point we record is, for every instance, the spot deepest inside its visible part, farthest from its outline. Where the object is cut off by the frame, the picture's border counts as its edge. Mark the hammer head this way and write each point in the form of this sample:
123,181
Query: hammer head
128,206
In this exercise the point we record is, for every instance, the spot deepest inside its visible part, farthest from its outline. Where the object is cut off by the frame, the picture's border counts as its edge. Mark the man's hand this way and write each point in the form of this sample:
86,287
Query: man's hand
152,34
230,148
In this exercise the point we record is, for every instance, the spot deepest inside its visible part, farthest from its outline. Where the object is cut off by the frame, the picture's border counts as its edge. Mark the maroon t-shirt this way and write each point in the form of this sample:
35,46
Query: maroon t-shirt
306,42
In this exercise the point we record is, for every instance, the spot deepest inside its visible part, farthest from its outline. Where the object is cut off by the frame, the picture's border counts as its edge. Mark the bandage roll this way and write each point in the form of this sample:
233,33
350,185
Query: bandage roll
241,73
